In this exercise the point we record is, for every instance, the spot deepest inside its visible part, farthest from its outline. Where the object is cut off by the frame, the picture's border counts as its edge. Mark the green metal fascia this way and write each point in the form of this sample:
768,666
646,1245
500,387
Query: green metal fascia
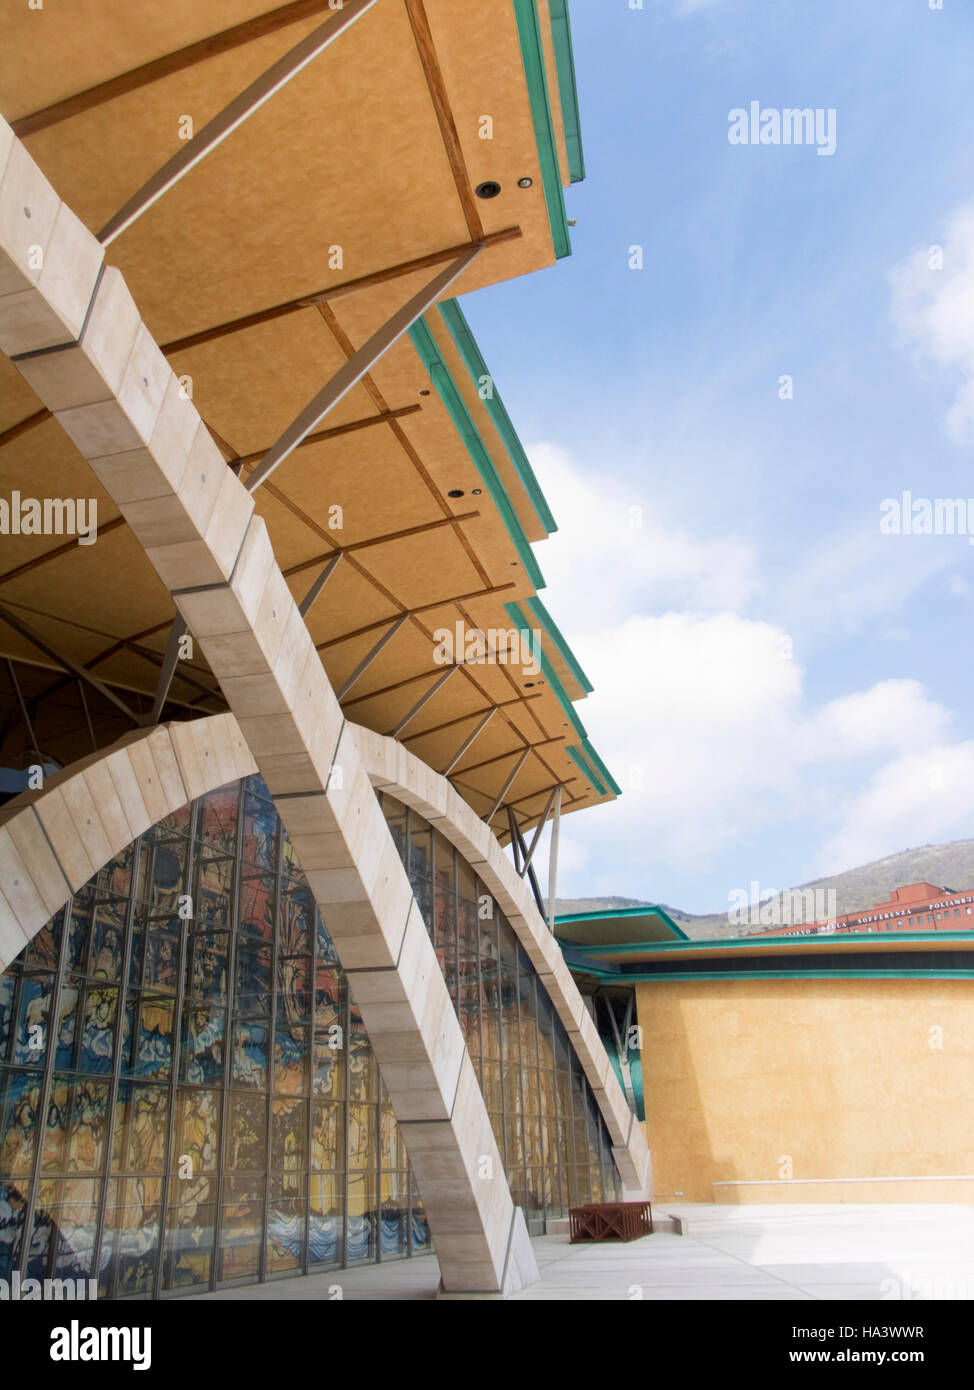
597,762
425,344
614,914
601,780
466,344
515,613
796,975
554,632
576,757
561,33
532,56
738,943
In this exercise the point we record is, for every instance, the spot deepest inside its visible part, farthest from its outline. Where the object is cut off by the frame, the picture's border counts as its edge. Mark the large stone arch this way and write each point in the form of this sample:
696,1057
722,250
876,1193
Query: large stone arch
393,769
52,841
77,336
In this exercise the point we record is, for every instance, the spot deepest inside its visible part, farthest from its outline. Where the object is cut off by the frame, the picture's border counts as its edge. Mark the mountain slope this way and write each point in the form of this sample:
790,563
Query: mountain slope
948,866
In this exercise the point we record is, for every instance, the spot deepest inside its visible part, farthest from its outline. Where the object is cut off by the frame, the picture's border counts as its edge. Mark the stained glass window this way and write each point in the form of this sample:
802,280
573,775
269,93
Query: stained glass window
213,1111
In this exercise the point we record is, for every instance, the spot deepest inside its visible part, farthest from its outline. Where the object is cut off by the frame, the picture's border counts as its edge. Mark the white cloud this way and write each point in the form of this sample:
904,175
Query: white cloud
616,552
934,311
892,716
701,714
917,799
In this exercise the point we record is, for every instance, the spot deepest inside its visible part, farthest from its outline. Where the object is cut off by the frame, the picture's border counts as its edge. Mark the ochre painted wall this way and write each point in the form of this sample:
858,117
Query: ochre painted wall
844,1077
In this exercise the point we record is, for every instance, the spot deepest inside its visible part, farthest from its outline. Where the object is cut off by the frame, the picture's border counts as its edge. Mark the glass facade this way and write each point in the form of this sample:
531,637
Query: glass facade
212,1107
548,1128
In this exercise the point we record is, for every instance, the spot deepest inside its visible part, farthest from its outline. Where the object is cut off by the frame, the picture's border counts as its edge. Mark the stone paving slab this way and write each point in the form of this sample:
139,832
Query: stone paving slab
767,1253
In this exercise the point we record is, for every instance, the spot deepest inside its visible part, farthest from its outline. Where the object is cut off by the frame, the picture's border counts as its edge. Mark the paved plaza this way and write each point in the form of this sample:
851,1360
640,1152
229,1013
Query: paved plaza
794,1253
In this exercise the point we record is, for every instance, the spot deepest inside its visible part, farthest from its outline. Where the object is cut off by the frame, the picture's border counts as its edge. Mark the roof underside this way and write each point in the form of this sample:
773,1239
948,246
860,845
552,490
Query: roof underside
260,273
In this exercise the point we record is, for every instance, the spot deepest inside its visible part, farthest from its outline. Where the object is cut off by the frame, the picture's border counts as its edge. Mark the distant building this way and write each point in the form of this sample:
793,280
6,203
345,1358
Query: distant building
917,907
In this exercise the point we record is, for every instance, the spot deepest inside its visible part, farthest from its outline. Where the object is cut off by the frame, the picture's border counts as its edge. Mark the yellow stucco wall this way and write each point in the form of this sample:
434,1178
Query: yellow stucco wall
846,1078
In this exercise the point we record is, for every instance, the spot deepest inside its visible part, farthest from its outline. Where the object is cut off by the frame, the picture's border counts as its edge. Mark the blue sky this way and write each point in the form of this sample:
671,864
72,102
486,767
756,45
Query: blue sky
781,690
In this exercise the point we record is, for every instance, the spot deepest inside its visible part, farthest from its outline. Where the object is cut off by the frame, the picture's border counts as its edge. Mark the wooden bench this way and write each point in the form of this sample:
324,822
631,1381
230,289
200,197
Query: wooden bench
611,1221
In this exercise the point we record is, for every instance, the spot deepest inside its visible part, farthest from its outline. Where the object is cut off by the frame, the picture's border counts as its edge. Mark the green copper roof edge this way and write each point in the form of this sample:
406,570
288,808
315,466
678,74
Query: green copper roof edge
561,33
516,614
626,913
466,344
579,760
532,57
602,778
737,942
793,975
600,765
554,632
425,344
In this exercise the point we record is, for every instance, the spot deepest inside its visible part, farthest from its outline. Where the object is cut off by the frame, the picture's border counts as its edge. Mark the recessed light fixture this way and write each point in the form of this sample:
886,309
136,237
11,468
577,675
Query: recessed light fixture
525,183
476,491
455,492
529,685
424,391
488,189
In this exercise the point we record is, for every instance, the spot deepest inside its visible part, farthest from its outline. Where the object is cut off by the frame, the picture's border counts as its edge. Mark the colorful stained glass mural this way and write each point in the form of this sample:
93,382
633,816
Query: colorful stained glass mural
212,1108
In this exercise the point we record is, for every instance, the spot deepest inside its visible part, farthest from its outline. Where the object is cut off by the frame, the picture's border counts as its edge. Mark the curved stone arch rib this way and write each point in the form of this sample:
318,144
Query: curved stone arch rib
77,336
53,840
393,769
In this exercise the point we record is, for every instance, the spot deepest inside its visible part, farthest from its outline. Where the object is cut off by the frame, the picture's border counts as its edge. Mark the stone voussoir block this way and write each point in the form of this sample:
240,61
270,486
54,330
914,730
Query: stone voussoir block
223,729
27,834
71,849
192,757
23,896
91,371
98,780
13,940
167,769
125,779
417,967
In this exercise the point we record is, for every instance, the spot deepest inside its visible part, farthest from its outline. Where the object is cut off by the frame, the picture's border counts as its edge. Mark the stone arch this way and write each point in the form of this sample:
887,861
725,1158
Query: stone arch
53,840
393,769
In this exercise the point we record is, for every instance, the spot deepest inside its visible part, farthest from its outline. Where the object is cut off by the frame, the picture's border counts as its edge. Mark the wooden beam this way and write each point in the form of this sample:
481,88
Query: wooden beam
358,366
223,42
423,700
413,612
361,282
473,714
499,758
58,550
444,115
22,426
374,540
251,99
337,430
368,659
327,570
65,662
469,741
511,779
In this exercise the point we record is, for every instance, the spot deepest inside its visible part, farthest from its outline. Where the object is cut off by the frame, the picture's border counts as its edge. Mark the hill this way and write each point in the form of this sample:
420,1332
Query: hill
948,866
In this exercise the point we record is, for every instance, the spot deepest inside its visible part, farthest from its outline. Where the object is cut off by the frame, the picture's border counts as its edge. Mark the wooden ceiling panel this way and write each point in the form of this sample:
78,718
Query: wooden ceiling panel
354,154
112,43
